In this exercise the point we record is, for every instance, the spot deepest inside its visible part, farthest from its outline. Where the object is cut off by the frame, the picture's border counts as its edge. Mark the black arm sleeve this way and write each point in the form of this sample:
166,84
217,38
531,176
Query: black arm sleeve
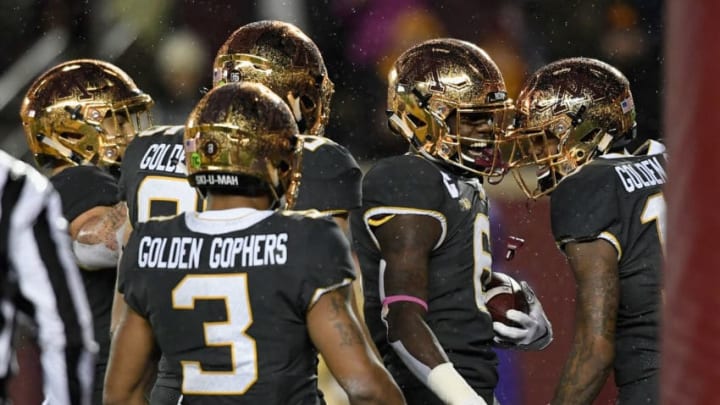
331,179
84,187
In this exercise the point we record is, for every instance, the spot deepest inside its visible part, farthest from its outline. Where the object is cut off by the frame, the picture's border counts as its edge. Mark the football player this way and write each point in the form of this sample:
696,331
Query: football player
576,126
422,235
78,118
153,176
280,56
283,58
235,297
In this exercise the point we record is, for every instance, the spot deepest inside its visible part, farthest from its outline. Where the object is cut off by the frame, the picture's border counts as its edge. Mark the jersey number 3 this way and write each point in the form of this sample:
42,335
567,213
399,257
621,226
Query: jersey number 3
233,289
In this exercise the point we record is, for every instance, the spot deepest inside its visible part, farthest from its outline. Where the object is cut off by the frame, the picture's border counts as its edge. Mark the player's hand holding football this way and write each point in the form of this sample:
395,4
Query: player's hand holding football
532,331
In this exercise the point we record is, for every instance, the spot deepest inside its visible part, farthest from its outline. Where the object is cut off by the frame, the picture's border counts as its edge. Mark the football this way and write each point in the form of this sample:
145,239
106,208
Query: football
502,293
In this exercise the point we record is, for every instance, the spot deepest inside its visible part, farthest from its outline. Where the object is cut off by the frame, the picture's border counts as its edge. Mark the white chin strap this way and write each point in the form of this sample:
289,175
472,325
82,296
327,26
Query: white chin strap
295,106
64,150
604,142
400,126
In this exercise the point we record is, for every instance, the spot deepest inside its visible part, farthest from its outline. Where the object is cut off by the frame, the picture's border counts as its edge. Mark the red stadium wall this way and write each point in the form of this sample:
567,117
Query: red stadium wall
691,352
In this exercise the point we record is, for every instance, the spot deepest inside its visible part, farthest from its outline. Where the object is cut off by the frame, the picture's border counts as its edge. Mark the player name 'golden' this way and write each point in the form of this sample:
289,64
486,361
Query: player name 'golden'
638,175
164,158
186,252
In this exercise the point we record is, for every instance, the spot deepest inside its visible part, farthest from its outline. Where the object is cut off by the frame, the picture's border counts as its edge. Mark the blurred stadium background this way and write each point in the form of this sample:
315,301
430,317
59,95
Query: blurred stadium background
167,46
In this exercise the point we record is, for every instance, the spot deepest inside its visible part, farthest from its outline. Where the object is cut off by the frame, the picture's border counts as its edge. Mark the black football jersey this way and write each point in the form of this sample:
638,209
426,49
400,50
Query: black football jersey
153,176
458,265
82,188
619,198
227,293
331,179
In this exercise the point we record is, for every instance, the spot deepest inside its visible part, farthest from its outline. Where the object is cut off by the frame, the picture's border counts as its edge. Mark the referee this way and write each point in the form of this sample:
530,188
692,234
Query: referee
37,272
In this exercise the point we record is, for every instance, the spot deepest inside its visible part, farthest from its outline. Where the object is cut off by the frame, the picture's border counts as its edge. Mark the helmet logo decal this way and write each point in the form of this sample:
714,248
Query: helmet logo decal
195,160
210,148
627,105
217,76
563,101
82,91
566,100
190,145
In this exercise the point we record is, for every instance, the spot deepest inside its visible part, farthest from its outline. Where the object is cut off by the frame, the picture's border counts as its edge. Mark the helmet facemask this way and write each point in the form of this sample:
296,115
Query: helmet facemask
476,135
466,137
569,112
550,154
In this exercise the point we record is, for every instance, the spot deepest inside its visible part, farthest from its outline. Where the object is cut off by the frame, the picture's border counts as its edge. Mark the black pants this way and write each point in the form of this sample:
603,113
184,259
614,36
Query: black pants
642,392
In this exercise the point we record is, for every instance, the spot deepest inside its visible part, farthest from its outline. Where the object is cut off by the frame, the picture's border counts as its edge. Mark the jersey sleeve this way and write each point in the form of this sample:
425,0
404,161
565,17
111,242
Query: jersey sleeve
402,184
327,270
130,161
84,187
122,185
130,282
331,178
584,207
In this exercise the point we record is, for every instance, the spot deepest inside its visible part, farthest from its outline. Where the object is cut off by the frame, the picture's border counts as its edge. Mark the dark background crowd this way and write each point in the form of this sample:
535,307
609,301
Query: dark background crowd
168,46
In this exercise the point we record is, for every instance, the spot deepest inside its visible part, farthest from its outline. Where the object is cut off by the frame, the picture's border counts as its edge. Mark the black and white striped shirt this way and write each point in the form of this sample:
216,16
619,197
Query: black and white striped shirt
37,272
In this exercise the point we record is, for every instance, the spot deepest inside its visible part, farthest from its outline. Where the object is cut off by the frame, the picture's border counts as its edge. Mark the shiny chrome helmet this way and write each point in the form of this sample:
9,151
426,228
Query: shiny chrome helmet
242,138
280,56
448,99
569,112
83,112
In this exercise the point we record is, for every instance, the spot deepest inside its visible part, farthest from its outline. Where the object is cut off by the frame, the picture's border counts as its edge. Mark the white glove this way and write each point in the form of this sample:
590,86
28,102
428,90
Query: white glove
535,331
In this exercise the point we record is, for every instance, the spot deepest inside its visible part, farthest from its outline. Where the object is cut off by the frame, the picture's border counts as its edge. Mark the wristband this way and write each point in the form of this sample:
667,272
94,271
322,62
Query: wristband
407,298
450,387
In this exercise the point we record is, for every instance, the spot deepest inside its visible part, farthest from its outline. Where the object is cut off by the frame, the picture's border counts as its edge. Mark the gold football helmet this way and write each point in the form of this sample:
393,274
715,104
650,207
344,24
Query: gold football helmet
448,99
280,56
568,112
242,137
83,111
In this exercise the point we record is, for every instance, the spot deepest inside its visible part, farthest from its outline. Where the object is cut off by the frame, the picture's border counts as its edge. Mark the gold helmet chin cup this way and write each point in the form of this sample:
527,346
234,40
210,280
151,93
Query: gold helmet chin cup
569,111
63,111
280,56
438,78
240,131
